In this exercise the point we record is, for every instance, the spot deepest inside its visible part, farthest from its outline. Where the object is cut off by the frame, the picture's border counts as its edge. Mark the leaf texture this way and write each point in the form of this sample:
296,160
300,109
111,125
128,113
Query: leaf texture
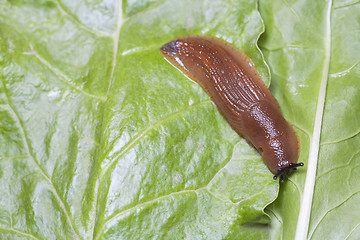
101,138
311,48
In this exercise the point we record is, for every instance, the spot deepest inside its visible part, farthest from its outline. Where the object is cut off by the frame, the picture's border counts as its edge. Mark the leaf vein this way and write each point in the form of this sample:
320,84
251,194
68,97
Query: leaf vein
116,37
116,216
15,231
346,5
78,23
254,195
345,72
60,75
136,50
342,139
297,187
148,8
309,26
352,230
330,210
338,167
42,171
130,144
306,201
147,130
290,47
302,129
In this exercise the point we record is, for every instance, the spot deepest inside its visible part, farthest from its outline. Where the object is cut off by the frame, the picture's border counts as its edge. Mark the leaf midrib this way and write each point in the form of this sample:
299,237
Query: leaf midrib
302,227
116,37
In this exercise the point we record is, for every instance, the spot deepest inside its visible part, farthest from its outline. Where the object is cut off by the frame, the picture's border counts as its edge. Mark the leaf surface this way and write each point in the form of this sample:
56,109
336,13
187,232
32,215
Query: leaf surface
102,138
312,50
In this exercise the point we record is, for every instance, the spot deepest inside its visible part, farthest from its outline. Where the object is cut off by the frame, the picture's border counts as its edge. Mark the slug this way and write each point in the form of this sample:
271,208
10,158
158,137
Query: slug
230,79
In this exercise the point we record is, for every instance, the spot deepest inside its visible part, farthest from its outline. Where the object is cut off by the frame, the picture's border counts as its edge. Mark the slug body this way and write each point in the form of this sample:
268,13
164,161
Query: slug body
234,85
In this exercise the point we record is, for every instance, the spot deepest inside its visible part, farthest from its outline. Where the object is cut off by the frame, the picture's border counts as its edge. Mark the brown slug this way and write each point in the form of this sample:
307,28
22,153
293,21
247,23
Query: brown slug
230,79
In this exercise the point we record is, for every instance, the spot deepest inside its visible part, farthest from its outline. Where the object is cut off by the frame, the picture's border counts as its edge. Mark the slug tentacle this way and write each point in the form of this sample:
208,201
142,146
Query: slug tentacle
169,47
229,77
287,170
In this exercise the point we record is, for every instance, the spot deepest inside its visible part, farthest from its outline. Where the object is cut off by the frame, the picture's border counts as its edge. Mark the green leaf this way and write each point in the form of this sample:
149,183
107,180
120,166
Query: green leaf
312,48
101,138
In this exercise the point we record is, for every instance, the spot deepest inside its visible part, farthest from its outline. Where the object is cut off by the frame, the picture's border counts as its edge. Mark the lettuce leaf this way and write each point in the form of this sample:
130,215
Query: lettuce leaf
312,49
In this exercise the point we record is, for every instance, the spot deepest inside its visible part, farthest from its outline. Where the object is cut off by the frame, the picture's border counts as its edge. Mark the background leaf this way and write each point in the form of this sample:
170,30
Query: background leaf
102,138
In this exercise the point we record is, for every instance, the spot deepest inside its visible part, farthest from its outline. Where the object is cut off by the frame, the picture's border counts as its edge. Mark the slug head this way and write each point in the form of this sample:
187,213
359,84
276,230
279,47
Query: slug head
169,49
287,170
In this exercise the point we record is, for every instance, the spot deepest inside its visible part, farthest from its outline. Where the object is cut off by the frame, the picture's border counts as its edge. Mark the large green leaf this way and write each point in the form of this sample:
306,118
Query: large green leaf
313,50
102,138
